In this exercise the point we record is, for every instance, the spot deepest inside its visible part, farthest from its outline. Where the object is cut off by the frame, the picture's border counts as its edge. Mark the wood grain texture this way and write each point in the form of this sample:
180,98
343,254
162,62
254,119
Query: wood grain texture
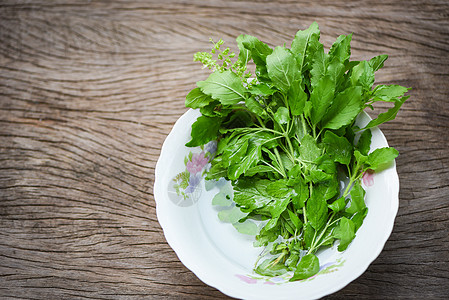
90,90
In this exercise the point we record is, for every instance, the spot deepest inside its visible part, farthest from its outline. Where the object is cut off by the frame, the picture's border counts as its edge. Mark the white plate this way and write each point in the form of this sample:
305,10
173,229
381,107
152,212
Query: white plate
224,258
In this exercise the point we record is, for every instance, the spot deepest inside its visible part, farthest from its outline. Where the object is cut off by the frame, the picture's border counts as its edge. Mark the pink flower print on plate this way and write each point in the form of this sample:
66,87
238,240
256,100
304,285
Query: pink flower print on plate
196,163
246,279
368,178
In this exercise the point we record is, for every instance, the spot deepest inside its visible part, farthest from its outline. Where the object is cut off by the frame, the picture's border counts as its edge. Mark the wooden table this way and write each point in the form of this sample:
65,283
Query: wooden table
90,89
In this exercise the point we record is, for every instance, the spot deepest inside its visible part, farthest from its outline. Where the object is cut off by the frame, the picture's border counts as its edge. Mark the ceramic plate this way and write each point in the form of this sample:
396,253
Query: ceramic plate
224,258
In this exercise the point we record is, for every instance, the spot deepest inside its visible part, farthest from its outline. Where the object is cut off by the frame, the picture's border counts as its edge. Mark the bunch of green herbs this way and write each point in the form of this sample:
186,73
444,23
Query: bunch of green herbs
287,140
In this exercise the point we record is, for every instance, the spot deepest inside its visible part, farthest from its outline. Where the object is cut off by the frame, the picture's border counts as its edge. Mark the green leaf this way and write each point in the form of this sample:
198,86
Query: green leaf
295,173
292,261
302,193
263,138
363,75
282,69
381,156
222,145
280,194
358,218
258,169
329,237
338,148
346,106
338,205
309,234
345,232
197,99
359,157
316,208
261,89
276,207
327,164
271,223
248,227
296,98
364,143
266,236
231,215
246,152
321,98
308,266
254,106
282,115
357,199
239,119
295,220
217,170
377,62
335,70
326,65
319,65
301,129
235,150
244,54
288,226
252,158
341,49
317,176
309,150
209,109
204,130
225,87
348,133
278,189
327,189
389,93
258,52
274,160
251,194
387,116
302,41
286,161
351,64
307,110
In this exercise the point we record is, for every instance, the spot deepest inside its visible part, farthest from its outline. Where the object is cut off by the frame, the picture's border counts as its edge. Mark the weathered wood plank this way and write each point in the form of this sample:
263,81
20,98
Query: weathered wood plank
89,91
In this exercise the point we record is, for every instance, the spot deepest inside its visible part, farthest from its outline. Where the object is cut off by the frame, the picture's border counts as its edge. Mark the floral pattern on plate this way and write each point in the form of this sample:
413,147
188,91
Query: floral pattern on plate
368,178
185,188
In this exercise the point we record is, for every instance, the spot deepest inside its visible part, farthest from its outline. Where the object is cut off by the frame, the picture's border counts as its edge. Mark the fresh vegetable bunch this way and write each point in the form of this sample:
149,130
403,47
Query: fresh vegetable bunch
287,141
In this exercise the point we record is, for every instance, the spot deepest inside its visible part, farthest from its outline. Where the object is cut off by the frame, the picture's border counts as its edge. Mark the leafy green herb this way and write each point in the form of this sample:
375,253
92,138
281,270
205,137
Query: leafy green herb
285,140
308,266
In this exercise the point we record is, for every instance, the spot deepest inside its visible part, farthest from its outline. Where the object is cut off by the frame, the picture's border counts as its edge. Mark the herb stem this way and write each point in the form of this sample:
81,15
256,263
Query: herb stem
304,214
323,231
303,122
279,161
284,252
289,143
353,178
284,97
274,168
269,130
260,121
